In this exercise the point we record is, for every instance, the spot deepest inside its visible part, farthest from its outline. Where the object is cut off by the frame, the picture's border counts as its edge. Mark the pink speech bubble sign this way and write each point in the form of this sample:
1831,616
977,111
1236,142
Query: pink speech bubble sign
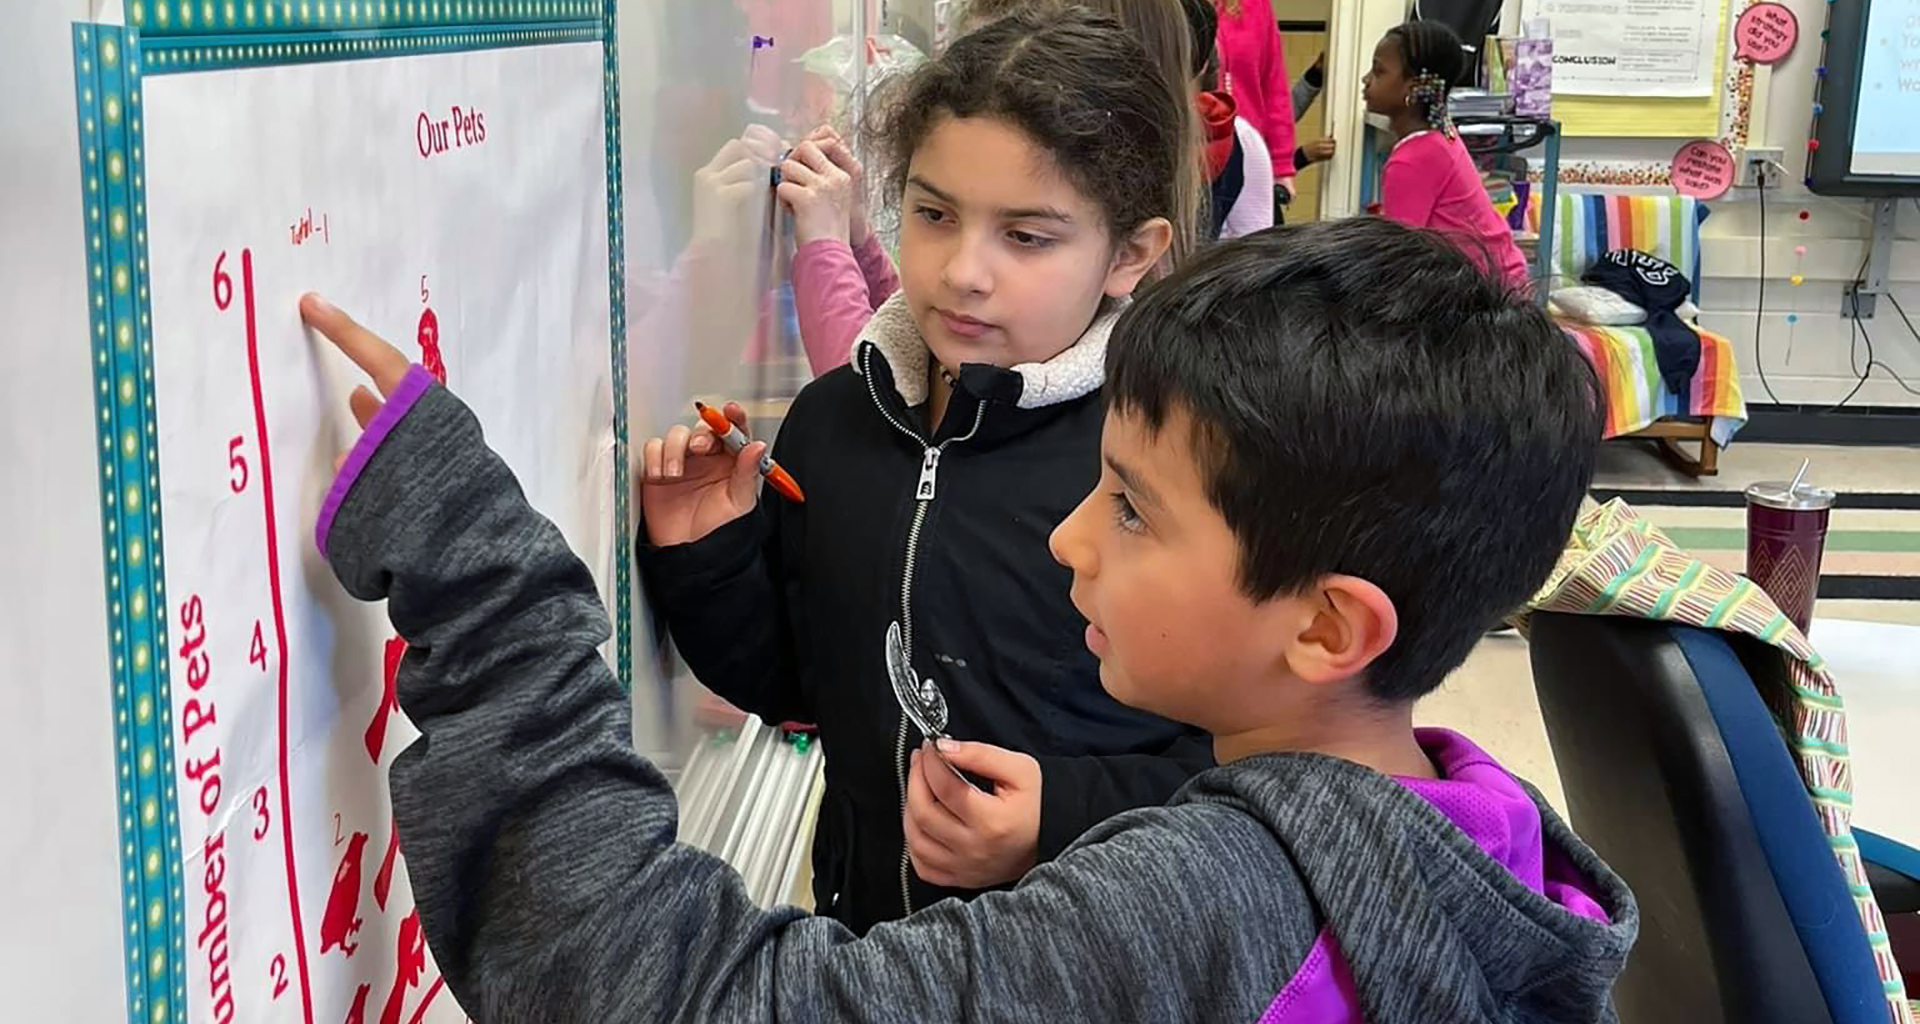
1702,169
1765,33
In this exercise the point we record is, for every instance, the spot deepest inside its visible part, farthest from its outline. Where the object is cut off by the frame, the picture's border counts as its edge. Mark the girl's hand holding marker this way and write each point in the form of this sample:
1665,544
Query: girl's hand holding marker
698,479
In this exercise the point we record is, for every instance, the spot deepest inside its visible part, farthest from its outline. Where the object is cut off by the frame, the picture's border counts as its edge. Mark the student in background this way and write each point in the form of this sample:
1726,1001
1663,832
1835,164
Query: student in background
1253,70
1240,171
1034,161
1430,180
1248,566
841,272
1305,91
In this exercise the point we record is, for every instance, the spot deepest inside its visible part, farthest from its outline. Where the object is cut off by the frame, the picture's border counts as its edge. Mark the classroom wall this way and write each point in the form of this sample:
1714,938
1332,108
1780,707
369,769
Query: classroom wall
60,950
1300,10
1805,362
1353,29
1834,235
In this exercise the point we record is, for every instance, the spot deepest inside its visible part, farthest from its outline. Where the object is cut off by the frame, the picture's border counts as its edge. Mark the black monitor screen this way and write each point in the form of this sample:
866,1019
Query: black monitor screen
1869,125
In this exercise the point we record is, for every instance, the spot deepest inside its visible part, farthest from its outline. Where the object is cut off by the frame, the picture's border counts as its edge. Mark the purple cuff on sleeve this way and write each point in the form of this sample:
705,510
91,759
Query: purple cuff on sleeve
398,404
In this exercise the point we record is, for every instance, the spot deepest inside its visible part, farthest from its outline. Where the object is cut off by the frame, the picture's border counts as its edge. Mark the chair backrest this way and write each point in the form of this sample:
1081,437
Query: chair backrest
1588,225
1675,772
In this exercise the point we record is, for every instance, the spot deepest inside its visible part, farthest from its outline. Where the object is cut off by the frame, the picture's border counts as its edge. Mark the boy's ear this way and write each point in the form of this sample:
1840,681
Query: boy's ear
1139,253
1352,622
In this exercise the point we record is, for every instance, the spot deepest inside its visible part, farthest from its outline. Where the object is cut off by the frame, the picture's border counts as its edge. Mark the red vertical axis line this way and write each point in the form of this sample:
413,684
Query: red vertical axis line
279,627
420,1012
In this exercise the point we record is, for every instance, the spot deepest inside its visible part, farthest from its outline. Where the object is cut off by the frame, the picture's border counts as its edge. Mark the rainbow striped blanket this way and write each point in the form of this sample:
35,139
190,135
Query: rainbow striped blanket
1636,396
1619,564
1587,226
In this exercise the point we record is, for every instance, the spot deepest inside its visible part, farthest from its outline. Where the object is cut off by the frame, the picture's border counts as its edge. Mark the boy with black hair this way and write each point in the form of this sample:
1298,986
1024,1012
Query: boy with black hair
1315,493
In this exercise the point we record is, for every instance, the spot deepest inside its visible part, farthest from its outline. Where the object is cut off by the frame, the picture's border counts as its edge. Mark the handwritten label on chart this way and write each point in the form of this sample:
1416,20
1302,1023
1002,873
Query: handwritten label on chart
1765,33
1702,169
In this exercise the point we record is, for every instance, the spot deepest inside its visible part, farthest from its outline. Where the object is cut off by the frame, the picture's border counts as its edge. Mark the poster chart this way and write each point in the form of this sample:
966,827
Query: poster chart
1632,47
448,173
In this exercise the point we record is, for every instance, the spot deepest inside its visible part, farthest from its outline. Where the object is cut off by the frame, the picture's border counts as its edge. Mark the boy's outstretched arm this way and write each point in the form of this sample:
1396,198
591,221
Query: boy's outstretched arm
541,846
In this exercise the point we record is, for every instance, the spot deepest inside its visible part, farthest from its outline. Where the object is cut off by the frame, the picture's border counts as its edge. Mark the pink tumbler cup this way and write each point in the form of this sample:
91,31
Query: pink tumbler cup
1786,535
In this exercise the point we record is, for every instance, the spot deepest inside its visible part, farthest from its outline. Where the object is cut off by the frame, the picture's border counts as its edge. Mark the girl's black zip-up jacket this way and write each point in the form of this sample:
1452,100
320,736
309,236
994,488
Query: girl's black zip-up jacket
946,534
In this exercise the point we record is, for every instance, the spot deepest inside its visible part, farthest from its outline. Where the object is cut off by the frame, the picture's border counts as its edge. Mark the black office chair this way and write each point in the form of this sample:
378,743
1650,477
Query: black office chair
1676,772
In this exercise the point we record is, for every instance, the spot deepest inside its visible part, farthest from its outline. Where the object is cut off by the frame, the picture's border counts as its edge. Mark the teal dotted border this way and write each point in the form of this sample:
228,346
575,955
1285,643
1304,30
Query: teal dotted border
109,63
156,18
106,63
617,293
178,54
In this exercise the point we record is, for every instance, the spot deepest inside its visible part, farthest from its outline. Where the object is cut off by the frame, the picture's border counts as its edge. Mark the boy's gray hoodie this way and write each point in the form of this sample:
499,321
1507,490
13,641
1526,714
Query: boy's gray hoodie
542,854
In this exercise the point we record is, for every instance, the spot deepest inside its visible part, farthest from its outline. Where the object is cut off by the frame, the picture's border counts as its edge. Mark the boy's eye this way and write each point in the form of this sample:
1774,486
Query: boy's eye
1029,240
931,215
1125,515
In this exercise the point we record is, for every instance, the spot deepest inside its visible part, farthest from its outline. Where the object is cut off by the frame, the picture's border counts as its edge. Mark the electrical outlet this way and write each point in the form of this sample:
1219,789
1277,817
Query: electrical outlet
1759,167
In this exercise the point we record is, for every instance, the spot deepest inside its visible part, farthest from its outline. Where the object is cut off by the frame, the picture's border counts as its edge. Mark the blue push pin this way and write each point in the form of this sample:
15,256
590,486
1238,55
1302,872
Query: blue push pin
1792,318
1818,109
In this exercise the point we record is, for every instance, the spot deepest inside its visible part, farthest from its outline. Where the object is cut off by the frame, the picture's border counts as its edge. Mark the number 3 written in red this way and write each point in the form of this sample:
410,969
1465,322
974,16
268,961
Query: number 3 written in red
264,820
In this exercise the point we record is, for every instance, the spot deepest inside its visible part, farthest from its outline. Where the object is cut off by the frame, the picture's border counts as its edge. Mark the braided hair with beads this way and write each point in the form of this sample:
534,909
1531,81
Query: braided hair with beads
1436,60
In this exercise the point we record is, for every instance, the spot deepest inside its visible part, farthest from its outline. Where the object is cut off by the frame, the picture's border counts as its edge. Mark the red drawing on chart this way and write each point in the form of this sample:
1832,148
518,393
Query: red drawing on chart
357,1013
265,447
411,964
389,701
383,882
342,919
428,334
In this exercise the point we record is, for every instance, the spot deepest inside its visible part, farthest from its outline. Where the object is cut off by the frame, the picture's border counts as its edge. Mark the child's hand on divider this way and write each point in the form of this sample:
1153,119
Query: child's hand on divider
820,194
1320,150
725,189
381,361
690,485
841,154
968,838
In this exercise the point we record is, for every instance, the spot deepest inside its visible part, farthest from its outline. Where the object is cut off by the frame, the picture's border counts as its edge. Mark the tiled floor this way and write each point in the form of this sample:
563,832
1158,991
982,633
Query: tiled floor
1491,697
1633,464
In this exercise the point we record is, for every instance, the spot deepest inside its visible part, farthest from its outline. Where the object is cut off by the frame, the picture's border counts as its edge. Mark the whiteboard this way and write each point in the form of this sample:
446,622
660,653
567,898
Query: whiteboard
710,317
708,309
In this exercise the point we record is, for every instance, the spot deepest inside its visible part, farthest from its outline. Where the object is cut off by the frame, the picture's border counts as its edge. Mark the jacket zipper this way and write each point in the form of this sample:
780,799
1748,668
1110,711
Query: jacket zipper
923,493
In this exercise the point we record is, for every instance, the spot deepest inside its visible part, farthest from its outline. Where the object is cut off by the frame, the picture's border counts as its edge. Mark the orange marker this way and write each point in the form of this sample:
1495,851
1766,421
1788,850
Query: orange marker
735,440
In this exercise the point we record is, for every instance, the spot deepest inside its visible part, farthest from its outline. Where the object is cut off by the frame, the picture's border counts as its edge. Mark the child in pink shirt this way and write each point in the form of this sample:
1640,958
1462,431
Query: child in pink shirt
1430,181
841,272
1253,70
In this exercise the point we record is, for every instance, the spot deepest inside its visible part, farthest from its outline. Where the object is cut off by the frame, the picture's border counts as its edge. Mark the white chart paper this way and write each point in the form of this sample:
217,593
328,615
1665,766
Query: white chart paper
456,203
1632,47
